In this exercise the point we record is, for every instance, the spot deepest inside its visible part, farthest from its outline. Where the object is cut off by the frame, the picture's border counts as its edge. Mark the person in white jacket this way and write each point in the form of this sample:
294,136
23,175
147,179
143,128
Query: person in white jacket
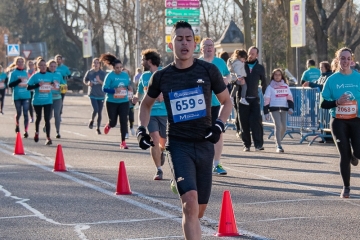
236,67
278,100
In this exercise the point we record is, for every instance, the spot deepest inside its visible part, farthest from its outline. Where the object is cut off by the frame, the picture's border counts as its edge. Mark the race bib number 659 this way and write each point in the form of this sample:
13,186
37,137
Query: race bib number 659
187,104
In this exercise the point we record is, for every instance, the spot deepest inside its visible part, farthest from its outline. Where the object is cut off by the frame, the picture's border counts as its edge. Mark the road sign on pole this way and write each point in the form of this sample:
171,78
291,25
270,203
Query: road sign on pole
182,12
182,4
172,21
86,42
13,50
26,53
6,39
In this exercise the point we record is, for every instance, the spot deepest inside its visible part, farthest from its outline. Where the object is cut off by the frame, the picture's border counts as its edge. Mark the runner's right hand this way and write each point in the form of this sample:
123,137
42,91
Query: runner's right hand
143,138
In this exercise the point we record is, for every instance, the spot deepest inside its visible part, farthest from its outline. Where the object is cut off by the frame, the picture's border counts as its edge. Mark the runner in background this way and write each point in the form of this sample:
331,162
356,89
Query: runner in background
57,80
21,96
94,78
3,85
65,73
42,83
116,87
208,55
158,116
30,71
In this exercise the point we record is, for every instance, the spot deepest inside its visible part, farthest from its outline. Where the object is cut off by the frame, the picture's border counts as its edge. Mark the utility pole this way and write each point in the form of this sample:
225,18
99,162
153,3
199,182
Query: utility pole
259,30
138,47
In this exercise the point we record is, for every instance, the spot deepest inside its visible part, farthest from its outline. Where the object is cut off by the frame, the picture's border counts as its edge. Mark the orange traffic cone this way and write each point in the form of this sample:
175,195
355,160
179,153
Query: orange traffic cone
19,148
227,222
123,187
59,165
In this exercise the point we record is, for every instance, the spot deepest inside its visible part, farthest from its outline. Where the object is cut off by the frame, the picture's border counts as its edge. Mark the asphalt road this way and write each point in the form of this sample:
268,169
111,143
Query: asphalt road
294,195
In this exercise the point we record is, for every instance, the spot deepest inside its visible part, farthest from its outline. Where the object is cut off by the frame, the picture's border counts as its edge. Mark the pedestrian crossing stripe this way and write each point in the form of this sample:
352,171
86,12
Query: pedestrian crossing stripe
13,50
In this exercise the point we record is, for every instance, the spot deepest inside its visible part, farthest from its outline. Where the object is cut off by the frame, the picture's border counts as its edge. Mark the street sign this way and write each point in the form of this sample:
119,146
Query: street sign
13,50
191,21
197,49
196,30
26,53
182,3
182,13
86,43
197,39
6,39
167,38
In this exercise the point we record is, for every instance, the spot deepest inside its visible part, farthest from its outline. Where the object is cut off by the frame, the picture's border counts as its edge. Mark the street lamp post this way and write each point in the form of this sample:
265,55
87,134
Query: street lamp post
259,30
137,58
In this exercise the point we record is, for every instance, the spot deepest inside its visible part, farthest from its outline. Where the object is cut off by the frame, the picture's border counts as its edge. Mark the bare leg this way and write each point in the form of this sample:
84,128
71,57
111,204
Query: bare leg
190,220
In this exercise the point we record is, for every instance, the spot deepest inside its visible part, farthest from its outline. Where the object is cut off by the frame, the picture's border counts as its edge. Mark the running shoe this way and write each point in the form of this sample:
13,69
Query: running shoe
158,175
279,149
31,120
345,193
26,134
58,135
246,149
44,129
354,160
162,158
91,124
17,129
123,145
98,131
173,187
48,142
132,130
259,148
219,170
243,101
36,137
127,136
106,128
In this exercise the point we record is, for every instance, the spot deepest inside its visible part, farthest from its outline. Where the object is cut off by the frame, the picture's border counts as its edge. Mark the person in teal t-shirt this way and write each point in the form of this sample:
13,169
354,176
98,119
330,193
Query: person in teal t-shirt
65,73
21,96
116,86
3,86
341,94
158,115
42,83
208,55
311,74
56,95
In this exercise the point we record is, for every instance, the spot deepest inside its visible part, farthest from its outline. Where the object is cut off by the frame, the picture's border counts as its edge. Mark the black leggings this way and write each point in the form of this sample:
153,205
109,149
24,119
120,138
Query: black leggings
346,135
31,109
2,97
131,117
118,109
47,114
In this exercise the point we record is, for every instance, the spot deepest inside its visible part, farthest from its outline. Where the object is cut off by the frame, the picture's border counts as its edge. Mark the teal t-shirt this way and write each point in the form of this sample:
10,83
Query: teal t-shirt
113,80
64,71
57,80
221,65
311,75
338,84
159,108
42,94
2,80
20,91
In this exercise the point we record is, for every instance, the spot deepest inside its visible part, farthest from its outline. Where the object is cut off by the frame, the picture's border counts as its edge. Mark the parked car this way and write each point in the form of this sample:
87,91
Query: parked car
75,82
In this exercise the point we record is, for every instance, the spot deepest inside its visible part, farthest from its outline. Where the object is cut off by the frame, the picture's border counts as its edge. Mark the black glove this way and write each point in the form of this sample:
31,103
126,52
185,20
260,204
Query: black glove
143,138
213,133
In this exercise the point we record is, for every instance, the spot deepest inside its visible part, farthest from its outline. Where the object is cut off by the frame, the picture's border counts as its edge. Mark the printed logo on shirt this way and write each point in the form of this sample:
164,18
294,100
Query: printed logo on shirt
347,85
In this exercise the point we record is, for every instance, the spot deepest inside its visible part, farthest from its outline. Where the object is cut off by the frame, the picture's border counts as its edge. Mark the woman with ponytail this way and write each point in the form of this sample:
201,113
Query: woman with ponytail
116,86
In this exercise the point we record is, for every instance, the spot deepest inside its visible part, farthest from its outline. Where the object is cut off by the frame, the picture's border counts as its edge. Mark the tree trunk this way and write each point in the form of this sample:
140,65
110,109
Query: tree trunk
245,11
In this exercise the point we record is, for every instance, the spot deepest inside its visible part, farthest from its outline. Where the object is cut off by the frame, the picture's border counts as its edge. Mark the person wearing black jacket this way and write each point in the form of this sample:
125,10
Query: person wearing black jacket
3,85
249,115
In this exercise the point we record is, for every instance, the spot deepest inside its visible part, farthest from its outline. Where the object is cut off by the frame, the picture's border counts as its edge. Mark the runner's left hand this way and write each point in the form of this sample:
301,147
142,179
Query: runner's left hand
213,133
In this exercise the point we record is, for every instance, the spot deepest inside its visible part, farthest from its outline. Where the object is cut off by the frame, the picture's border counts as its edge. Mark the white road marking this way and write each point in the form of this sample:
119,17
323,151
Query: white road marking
75,133
23,216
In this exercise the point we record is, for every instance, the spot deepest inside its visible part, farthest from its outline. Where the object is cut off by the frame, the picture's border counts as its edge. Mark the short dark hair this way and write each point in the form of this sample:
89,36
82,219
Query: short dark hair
326,65
153,55
253,47
57,55
311,62
181,24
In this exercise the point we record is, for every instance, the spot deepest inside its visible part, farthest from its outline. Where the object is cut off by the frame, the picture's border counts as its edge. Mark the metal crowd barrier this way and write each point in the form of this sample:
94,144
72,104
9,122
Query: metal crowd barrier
324,126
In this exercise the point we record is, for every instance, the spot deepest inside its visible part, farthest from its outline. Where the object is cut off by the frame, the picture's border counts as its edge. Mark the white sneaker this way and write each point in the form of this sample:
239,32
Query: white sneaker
132,130
243,101
126,136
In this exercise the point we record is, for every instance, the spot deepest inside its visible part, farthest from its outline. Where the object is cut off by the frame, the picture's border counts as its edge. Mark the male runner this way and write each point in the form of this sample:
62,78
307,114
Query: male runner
158,116
208,54
186,85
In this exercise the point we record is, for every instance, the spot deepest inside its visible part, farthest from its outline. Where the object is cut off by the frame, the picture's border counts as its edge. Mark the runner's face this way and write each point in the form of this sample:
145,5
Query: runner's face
118,68
52,67
322,68
31,66
208,49
253,55
20,63
145,62
345,60
183,44
59,60
96,64
42,66
277,76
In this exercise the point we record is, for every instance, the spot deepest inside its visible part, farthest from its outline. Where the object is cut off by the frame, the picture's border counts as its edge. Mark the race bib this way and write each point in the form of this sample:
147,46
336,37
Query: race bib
56,85
123,93
281,91
187,104
2,85
45,88
24,82
347,110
